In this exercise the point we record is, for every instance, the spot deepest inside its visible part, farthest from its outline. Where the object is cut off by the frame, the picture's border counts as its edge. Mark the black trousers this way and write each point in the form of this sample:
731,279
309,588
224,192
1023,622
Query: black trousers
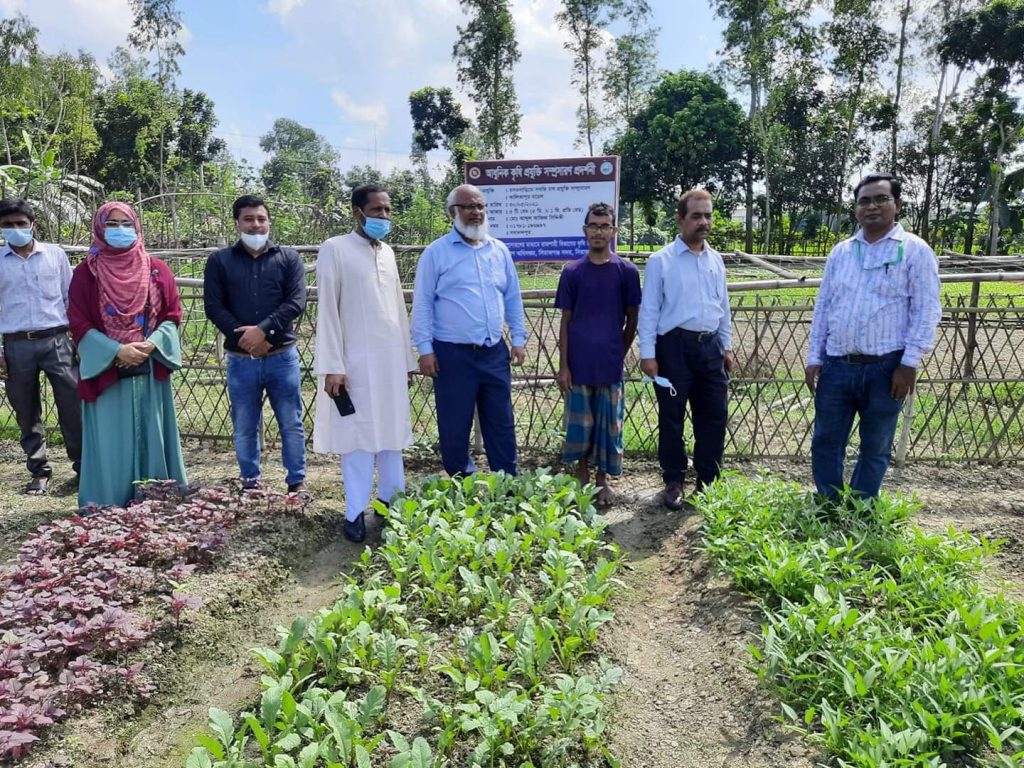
26,359
697,371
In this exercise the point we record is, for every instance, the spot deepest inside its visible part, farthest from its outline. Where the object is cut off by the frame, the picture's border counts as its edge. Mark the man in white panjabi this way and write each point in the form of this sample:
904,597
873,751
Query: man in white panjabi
363,347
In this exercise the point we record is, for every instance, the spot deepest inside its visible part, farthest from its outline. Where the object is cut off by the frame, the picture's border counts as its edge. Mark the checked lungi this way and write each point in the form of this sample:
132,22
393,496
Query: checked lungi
593,426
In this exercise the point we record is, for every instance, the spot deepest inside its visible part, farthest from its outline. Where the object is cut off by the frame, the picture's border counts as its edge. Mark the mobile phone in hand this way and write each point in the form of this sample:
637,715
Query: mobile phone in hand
344,402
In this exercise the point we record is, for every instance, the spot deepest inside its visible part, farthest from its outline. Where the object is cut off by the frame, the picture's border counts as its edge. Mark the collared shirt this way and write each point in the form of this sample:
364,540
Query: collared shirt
34,290
684,289
464,294
268,291
872,301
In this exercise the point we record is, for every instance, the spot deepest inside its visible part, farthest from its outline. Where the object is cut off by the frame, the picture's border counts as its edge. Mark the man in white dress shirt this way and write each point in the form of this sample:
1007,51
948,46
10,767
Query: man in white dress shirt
874,321
686,341
363,347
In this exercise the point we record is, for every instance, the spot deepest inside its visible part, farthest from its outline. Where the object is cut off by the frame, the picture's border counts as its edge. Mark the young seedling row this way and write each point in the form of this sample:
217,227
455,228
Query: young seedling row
877,637
467,638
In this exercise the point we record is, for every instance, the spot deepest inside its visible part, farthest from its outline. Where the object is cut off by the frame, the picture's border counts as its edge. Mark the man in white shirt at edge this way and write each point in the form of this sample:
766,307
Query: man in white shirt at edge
34,280
874,321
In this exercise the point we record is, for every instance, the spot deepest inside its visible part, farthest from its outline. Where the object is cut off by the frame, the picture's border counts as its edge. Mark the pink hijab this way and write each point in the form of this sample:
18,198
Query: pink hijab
123,279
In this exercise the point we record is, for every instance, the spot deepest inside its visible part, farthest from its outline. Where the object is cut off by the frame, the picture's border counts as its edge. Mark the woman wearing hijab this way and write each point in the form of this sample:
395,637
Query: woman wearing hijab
124,311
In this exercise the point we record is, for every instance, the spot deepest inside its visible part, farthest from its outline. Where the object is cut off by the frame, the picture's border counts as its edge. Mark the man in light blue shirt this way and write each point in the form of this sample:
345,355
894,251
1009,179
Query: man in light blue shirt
34,280
686,341
874,322
466,291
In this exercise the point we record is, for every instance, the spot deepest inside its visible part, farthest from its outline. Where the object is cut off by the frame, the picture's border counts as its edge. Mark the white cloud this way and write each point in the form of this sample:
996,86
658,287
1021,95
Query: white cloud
97,27
374,112
283,7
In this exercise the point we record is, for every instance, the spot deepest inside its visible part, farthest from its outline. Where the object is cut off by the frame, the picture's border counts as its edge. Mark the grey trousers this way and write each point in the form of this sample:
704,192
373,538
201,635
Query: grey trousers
26,359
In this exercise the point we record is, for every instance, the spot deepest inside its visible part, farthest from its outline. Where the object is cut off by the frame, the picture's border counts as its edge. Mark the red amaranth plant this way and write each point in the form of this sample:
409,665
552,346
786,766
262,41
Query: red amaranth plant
65,623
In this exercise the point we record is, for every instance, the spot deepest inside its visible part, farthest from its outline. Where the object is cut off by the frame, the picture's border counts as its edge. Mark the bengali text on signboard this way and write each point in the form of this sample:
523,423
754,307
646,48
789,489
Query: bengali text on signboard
536,207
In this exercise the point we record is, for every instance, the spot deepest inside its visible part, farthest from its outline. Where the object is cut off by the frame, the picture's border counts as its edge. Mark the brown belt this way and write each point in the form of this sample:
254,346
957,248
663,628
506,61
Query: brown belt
34,335
271,353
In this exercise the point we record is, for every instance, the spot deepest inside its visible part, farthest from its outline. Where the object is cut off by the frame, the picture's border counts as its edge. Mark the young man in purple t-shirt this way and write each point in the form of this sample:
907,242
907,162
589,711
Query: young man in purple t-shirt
599,296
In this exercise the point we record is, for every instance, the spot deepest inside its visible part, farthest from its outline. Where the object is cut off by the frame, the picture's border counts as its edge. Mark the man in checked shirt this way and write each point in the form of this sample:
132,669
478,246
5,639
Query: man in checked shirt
874,321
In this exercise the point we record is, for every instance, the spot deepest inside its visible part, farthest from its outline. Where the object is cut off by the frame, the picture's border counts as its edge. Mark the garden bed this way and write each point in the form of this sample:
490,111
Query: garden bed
687,696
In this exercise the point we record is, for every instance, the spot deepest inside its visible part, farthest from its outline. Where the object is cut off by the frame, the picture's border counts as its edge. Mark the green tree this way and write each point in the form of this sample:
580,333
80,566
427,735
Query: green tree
859,45
485,54
17,47
690,133
297,154
992,34
156,27
133,123
993,37
627,76
437,121
585,21
756,32
197,118
630,68
933,28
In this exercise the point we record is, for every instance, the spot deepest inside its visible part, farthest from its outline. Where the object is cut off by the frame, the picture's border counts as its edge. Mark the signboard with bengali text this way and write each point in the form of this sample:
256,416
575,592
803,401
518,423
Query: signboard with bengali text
536,207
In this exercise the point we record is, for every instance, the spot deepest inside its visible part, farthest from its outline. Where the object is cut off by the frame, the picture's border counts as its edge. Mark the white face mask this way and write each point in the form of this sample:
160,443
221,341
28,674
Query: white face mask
254,242
472,231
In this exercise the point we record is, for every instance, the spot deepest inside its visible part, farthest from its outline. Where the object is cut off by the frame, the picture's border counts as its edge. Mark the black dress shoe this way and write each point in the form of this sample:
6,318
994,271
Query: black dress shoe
672,496
355,530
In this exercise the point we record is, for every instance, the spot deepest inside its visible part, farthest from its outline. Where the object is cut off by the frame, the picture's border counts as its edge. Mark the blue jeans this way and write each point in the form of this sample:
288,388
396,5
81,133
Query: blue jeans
278,376
846,389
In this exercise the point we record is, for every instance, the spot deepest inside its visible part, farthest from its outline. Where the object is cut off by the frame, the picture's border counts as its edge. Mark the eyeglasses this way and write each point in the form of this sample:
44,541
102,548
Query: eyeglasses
119,225
603,229
877,200
478,207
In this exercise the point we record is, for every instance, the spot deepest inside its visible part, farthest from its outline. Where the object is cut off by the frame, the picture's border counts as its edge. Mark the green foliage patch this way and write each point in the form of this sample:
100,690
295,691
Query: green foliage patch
877,637
467,638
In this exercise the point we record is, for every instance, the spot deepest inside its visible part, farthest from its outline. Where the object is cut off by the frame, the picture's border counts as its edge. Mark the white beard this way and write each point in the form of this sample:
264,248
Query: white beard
472,231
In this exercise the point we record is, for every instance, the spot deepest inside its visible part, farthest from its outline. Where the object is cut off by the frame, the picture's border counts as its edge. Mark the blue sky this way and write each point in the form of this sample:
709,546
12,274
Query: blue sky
346,67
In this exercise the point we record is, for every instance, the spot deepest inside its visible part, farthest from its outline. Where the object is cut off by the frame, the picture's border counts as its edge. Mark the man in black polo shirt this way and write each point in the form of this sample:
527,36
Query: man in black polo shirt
254,291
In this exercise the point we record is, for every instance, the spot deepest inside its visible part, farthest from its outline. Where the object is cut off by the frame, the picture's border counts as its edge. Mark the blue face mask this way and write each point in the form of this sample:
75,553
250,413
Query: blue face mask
17,237
120,237
661,381
376,229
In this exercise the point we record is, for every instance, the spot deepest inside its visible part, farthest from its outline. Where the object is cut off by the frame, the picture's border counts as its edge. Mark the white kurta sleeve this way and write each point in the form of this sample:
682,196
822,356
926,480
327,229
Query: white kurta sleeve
329,356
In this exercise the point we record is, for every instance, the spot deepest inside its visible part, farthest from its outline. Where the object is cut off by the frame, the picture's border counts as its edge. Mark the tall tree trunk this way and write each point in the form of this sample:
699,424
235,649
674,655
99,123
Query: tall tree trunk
844,155
7,144
632,227
494,106
969,234
587,106
997,186
748,175
904,15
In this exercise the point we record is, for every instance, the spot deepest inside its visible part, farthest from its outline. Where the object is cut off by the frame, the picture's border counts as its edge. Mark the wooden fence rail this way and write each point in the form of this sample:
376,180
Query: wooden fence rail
968,405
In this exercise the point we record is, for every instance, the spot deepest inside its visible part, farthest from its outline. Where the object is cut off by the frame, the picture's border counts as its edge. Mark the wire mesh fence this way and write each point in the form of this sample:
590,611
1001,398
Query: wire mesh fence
967,407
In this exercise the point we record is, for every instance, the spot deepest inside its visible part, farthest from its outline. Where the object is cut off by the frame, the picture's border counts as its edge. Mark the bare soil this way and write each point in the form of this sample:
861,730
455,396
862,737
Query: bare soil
688,698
